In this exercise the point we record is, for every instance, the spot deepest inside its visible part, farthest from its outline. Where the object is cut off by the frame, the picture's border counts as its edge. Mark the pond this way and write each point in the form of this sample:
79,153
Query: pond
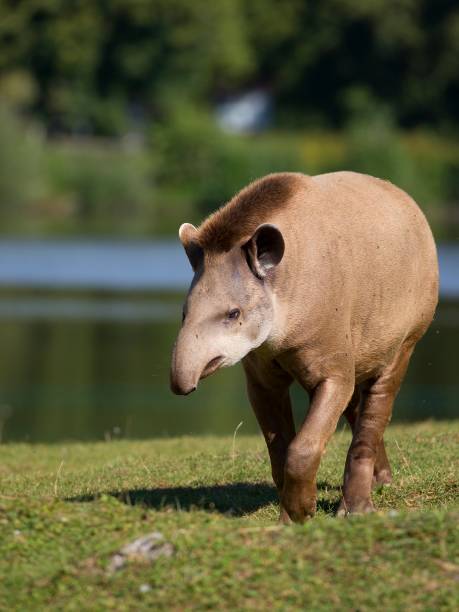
90,363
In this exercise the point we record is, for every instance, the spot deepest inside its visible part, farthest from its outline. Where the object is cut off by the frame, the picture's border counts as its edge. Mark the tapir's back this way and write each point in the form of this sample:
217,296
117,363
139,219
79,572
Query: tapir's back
365,252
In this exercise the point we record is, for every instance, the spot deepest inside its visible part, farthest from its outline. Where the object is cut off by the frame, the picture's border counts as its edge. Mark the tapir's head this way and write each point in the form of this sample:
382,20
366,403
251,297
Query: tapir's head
229,310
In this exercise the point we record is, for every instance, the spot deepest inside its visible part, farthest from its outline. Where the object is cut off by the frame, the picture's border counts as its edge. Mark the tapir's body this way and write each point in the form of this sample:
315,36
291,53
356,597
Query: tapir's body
330,280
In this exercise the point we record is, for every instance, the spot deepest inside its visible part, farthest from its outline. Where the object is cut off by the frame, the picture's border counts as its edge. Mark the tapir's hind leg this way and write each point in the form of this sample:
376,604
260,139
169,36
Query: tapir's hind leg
374,414
382,472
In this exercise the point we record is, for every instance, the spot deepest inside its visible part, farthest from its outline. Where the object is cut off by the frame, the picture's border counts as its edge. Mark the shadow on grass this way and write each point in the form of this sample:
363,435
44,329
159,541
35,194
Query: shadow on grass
235,499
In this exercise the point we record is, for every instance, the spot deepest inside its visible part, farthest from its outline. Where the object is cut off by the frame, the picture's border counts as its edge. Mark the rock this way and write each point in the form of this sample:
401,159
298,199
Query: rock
146,549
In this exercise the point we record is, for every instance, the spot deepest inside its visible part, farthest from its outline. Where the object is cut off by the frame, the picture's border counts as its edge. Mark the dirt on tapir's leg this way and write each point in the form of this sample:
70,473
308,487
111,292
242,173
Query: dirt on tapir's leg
382,472
374,415
268,393
328,402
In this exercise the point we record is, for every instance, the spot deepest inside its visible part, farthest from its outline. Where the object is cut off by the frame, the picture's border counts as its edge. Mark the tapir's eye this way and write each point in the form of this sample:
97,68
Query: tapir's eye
234,314
183,315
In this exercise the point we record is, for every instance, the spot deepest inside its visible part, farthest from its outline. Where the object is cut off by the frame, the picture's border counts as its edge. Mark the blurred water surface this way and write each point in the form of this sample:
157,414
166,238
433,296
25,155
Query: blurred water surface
86,360
129,265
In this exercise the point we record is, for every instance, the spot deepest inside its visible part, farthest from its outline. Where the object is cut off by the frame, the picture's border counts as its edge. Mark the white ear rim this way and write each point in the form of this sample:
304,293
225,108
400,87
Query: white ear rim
186,230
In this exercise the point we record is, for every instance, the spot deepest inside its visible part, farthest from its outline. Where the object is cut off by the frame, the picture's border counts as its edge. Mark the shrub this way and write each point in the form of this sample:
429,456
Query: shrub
209,165
21,166
110,189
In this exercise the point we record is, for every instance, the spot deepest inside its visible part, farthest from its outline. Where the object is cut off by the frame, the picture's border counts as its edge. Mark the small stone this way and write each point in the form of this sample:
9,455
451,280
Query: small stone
144,588
145,549
393,513
117,562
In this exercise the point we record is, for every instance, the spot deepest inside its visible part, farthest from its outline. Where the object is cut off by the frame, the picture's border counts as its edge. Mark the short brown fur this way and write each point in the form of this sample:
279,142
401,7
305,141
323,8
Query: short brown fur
241,216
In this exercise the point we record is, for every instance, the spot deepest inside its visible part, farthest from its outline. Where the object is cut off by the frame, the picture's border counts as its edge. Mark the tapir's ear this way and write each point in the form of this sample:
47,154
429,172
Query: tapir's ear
188,237
265,249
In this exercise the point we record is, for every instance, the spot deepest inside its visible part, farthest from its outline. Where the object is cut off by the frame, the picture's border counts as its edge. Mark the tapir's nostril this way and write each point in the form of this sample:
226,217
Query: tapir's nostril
190,391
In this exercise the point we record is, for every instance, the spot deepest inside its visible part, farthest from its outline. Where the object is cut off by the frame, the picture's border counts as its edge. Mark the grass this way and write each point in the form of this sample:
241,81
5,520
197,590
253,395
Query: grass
66,509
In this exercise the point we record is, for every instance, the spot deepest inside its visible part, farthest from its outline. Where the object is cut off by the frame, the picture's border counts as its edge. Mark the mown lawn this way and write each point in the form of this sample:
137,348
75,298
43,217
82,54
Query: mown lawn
66,509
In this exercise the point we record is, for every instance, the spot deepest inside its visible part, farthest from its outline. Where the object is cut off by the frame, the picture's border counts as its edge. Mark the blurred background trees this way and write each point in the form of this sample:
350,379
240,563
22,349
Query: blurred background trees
125,118
109,108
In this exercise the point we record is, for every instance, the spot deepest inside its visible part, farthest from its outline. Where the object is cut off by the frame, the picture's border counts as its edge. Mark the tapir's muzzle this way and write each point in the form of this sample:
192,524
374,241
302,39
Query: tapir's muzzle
183,380
179,389
190,363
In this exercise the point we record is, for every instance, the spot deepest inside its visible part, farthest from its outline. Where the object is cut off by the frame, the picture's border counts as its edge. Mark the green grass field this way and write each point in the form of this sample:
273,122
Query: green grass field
66,509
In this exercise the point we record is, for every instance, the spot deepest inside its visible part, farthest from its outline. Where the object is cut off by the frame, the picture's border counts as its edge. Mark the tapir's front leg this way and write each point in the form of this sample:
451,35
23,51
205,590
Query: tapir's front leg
268,390
328,401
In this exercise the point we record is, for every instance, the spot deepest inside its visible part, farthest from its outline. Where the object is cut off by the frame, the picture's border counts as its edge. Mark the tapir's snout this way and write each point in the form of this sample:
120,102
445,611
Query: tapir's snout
183,385
180,390
183,380
190,363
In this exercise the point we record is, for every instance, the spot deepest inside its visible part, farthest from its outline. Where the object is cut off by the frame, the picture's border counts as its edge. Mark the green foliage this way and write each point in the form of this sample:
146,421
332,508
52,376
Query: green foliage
21,179
190,167
86,58
206,167
90,58
107,189
76,188
345,77
210,165
375,147
65,509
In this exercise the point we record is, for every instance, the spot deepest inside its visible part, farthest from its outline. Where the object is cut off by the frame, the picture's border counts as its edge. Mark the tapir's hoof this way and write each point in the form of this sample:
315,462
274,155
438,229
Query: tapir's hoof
298,511
358,506
298,502
382,478
284,517
300,517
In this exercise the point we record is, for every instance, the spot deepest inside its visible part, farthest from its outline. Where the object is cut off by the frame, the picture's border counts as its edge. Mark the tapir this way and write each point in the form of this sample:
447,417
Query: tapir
328,280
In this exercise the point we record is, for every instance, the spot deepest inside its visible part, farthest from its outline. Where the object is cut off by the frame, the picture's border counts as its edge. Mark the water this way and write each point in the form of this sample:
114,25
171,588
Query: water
102,264
129,265
93,364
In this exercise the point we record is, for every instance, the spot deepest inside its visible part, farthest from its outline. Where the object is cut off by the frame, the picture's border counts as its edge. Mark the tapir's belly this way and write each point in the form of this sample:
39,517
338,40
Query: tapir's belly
397,318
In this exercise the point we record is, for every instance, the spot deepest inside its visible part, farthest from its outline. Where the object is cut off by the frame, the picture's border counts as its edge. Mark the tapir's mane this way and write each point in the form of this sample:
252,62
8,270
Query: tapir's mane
248,209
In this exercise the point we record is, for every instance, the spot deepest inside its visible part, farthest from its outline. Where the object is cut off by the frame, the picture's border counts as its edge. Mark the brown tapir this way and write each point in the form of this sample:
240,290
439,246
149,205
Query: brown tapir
330,280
